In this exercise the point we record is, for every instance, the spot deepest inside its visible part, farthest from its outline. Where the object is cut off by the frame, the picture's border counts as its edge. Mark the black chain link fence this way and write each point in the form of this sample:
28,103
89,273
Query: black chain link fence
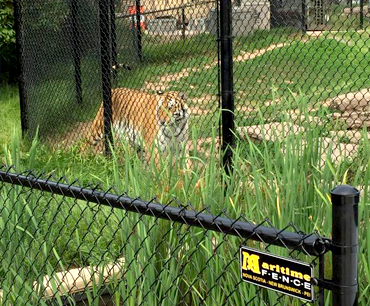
297,65
302,65
67,245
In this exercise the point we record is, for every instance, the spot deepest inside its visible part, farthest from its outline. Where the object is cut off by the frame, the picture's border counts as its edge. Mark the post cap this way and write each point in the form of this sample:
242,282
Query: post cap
345,190
345,195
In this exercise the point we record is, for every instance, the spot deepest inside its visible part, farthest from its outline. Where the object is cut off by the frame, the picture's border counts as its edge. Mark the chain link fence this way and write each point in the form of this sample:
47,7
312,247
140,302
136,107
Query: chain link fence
300,65
70,245
296,65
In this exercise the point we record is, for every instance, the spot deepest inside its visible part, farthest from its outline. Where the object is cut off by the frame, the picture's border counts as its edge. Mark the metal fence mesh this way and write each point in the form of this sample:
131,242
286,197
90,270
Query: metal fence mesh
299,65
304,63
62,250
58,92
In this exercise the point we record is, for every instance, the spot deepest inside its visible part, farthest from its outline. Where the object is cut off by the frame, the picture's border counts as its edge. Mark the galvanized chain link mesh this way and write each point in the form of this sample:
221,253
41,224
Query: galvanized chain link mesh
297,65
110,250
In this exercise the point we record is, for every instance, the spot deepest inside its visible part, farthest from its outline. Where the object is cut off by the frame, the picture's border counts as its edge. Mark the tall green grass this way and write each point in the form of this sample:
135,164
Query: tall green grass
166,263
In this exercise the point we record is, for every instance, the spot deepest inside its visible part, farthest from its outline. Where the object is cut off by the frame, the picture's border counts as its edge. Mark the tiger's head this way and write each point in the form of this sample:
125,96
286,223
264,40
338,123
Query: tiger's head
172,110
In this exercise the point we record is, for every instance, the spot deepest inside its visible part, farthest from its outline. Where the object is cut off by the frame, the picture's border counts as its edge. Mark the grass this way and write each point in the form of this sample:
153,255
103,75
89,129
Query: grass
317,68
53,93
283,181
320,68
9,112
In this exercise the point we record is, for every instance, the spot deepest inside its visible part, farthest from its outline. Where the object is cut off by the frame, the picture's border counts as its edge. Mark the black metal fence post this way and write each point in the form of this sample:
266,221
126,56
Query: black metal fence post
138,30
113,40
18,17
106,66
183,23
76,49
227,85
303,17
361,14
345,245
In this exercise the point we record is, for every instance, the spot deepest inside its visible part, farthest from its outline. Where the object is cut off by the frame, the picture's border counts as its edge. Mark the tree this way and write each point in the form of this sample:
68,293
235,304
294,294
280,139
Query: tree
8,58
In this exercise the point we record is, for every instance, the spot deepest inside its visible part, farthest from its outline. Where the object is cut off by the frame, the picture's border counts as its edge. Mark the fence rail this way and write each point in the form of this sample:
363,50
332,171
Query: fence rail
344,245
311,244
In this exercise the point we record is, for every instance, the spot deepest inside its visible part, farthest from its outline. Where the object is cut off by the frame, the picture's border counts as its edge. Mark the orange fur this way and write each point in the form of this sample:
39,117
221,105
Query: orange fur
154,118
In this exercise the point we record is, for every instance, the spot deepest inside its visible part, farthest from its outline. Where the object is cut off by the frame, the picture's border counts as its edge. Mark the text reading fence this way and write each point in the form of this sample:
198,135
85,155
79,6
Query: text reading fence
64,244
249,55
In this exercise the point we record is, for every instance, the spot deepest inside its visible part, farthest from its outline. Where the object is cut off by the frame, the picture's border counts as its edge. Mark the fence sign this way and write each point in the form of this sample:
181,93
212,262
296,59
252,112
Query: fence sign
277,273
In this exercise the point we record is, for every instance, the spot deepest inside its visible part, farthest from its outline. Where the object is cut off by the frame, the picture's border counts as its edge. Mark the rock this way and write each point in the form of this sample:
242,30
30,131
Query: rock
245,109
205,100
353,136
199,111
275,131
352,101
355,108
341,149
356,10
309,119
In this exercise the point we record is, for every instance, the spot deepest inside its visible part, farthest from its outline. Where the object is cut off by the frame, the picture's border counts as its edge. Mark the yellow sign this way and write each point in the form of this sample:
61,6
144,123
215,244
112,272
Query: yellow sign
281,274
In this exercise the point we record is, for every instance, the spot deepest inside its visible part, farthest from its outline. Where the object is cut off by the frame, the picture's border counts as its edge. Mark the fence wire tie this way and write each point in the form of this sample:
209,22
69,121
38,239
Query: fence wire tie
148,208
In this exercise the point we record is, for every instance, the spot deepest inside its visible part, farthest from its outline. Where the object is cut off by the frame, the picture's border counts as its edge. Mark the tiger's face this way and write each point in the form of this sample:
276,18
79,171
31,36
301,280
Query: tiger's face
172,109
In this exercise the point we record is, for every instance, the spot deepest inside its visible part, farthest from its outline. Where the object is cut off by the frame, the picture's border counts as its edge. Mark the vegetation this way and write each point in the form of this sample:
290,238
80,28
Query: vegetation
284,181
288,180
8,58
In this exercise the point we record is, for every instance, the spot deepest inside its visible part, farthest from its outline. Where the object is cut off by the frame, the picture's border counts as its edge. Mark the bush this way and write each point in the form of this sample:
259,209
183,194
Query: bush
8,64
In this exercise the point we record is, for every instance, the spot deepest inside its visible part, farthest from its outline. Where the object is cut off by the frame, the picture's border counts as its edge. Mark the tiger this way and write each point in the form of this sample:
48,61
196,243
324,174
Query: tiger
147,121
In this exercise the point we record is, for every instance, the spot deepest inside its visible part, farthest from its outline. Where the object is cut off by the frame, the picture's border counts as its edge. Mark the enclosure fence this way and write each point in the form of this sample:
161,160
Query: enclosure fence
251,69
66,245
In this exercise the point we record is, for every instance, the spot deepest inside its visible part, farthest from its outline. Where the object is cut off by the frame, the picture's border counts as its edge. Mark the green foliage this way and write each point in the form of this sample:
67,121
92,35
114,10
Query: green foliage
7,42
285,181
7,33
47,15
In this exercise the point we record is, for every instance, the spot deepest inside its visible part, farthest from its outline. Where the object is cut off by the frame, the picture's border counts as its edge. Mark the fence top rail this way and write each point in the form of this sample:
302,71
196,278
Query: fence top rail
122,15
311,244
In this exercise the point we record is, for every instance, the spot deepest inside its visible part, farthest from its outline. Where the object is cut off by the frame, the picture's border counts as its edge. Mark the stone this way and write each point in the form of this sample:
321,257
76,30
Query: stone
309,119
354,108
199,111
352,101
245,109
356,10
353,136
275,131
205,100
341,149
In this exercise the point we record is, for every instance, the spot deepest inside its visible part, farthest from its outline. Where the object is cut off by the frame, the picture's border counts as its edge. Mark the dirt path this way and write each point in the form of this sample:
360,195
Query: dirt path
246,56
163,82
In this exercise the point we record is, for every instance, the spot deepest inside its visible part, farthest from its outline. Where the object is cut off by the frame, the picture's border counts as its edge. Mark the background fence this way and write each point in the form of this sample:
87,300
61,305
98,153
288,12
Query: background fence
300,62
67,244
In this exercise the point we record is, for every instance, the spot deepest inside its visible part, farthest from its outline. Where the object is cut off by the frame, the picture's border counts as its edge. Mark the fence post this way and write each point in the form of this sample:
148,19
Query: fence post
345,245
76,49
361,14
183,24
138,31
106,66
19,39
227,85
113,40
304,16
